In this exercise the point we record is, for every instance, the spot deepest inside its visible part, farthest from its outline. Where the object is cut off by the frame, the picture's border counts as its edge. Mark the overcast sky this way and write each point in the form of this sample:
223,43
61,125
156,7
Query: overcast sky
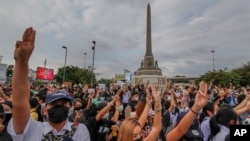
183,33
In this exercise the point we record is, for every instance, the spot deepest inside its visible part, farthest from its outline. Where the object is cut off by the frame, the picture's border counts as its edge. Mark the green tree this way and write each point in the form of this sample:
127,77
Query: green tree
221,78
105,81
75,75
244,72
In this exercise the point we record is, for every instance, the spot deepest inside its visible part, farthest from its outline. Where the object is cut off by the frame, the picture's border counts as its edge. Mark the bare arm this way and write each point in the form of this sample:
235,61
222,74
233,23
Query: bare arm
117,112
143,118
103,111
20,83
185,123
157,124
243,109
89,102
107,108
244,102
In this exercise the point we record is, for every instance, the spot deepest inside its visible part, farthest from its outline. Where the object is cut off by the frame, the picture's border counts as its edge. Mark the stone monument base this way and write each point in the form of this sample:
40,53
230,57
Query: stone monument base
157,80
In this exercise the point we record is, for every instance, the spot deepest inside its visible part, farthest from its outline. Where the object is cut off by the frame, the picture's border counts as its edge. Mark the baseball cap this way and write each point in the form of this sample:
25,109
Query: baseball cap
194,130
56,96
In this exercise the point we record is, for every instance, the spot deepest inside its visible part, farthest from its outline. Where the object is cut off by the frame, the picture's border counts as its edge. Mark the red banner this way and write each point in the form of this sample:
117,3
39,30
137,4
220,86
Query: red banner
44,74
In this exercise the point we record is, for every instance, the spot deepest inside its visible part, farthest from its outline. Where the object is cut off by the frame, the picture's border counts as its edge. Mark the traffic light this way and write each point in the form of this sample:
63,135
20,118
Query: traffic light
9,73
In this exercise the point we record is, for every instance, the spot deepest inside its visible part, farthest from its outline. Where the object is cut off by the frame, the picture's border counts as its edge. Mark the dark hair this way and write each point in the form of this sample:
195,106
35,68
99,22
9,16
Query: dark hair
227,138
7,102
33,102
223,117
166,104
41,96
240,98
186,87
191,103
208,107
191,139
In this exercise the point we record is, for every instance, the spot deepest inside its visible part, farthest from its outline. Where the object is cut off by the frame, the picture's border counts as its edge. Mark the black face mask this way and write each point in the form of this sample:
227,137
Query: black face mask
58,114
140,139
77,108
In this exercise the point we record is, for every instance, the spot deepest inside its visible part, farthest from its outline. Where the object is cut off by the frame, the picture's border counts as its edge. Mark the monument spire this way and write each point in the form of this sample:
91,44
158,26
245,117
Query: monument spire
149,69
148,33
148,65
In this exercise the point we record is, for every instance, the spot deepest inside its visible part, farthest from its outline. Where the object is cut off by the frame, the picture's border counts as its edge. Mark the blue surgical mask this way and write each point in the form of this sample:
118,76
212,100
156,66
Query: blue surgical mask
121,108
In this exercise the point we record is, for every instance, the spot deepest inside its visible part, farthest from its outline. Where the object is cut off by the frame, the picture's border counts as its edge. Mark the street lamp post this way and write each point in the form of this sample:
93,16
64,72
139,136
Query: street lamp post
213,59
93,61
64,62
84,60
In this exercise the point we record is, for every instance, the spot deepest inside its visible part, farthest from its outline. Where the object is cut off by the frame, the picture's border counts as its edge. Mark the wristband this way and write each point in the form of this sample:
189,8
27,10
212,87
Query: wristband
158,110
193,111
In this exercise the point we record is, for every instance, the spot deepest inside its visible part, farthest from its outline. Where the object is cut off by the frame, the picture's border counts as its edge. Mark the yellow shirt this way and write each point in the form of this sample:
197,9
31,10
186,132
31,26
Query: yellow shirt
34,114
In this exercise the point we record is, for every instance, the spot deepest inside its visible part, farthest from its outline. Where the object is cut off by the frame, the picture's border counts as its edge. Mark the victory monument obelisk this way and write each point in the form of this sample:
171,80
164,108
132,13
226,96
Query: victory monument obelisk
149,69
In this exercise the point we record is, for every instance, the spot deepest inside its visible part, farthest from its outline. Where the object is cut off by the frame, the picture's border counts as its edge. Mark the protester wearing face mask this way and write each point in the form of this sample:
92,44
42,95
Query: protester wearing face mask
77,115
130,110
131,129
22,126
116,116
97,117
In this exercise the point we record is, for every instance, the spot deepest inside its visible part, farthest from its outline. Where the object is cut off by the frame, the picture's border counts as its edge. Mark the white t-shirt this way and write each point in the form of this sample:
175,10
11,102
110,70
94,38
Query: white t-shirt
34,131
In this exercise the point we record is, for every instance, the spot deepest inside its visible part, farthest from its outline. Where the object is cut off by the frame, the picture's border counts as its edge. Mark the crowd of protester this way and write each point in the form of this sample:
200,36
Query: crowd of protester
116,113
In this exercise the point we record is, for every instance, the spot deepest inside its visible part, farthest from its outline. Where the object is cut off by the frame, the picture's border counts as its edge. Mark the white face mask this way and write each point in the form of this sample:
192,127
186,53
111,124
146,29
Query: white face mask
137,98
169,97
132,114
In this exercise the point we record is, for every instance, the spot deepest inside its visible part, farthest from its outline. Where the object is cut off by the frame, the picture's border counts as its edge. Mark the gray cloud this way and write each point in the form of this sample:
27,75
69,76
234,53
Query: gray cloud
183,33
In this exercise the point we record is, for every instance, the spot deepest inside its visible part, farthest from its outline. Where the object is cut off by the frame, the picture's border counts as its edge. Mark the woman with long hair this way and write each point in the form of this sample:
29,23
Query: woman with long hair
220,123
131,129
207,112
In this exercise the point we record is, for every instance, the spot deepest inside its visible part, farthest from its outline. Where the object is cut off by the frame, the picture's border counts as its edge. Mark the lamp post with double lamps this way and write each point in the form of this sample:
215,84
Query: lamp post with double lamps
93,62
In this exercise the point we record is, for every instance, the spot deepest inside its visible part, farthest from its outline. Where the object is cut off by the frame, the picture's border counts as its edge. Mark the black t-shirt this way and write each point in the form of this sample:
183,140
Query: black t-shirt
98,129
5,136
132,104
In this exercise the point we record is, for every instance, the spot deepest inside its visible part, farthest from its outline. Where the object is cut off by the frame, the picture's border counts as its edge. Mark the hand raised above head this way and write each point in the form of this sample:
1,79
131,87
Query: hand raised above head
201,97
149,98
24,48
156,94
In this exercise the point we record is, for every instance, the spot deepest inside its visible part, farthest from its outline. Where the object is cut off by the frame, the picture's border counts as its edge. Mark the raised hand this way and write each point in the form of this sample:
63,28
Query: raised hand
156,94
25,47
201,97
149,98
